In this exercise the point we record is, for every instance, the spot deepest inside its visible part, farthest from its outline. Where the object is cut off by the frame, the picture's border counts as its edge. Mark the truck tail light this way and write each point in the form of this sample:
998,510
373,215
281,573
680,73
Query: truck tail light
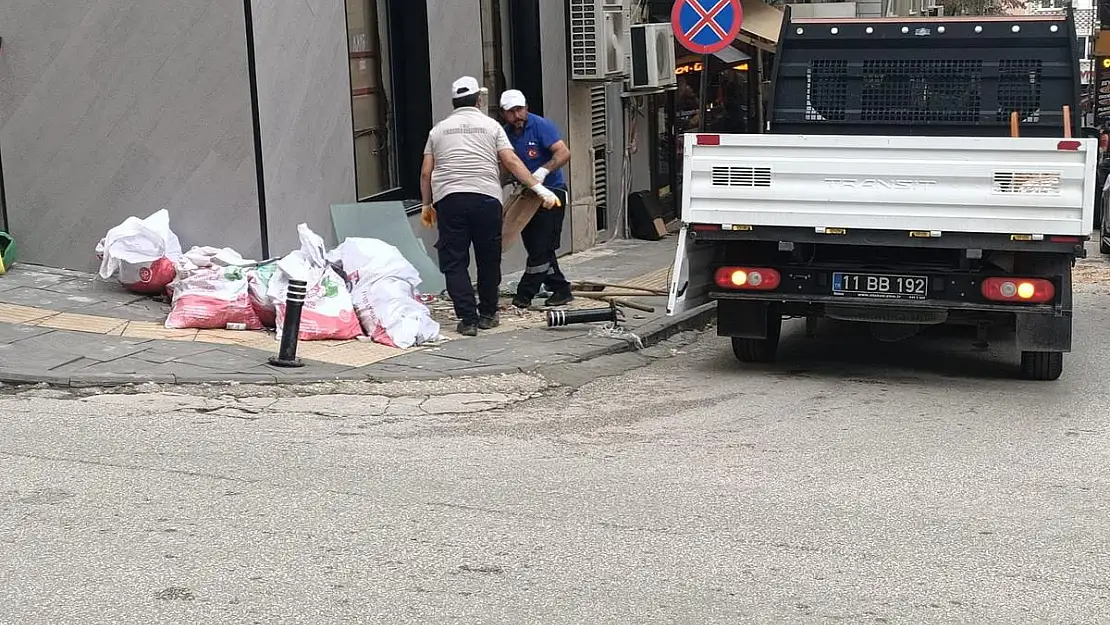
1021,290
709,139
748,278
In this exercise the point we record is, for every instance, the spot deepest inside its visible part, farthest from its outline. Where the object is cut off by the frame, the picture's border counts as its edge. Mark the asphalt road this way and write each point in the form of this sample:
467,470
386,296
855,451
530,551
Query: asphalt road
853,482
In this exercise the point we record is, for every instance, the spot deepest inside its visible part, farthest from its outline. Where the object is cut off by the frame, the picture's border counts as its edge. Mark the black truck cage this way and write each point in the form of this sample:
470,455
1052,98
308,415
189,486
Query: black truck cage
926,76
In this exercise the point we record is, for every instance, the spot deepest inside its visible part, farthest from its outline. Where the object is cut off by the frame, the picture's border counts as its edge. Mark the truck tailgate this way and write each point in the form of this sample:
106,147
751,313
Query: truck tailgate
995,185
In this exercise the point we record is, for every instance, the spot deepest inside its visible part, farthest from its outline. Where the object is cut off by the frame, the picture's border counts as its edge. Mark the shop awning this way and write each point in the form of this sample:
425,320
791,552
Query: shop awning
728,55
731,55
762,24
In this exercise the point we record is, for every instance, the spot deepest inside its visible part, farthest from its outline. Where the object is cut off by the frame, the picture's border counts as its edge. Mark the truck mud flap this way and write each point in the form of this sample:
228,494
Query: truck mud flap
1043,333
745,320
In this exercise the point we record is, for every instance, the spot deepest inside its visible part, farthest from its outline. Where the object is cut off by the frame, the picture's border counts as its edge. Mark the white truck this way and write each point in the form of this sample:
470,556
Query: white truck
892,191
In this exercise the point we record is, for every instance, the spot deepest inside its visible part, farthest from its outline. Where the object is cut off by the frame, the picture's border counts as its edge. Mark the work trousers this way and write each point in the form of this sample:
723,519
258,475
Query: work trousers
541,238
467,219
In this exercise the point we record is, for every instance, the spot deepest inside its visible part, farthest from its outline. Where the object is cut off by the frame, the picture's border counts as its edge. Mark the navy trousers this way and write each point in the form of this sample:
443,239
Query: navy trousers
465,220
541,238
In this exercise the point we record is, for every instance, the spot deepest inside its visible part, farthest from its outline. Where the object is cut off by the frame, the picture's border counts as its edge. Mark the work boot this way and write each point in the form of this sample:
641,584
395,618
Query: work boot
522,303
489,323
559,299
467,329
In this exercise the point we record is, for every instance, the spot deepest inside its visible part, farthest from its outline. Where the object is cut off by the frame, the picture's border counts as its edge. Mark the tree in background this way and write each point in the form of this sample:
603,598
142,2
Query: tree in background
981,7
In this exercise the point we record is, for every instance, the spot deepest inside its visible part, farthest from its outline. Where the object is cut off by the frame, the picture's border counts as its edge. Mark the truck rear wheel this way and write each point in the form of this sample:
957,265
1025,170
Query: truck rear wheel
1044,366
760,350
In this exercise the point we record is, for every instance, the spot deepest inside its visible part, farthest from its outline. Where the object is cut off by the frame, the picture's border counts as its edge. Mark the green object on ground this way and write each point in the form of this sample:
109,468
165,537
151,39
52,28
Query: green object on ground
7,252
387,221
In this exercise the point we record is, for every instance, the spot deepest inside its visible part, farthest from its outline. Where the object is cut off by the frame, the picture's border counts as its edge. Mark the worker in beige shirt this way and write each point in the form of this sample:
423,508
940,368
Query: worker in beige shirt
460,187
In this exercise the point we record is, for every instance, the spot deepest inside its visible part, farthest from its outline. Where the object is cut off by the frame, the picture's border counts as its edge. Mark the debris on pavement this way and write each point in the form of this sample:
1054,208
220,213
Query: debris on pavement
142,252
7,252
364,290
329,312
614,331
383,286
211,297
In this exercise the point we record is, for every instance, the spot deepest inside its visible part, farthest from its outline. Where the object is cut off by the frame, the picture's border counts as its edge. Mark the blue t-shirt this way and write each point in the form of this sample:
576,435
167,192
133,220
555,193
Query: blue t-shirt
533,146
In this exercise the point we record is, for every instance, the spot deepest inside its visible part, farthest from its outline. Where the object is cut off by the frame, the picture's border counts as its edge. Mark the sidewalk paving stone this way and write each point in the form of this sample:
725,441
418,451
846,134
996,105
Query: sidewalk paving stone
42,359
101,348
68,328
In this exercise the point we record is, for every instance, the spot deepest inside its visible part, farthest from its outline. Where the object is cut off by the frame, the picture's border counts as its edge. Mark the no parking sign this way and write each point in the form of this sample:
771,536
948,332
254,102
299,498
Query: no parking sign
706,26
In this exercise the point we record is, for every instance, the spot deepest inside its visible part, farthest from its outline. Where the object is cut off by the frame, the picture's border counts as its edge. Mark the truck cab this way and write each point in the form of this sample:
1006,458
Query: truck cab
915,172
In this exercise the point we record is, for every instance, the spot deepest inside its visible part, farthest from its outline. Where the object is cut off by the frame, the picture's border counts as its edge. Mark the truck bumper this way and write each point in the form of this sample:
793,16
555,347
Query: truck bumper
1037,327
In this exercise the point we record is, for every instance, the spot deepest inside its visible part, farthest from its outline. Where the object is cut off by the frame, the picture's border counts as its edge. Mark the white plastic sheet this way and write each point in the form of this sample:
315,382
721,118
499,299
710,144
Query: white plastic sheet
143,253
383,287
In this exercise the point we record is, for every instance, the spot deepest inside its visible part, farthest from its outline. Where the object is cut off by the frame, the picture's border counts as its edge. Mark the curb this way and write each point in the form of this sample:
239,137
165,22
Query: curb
651,333
663,328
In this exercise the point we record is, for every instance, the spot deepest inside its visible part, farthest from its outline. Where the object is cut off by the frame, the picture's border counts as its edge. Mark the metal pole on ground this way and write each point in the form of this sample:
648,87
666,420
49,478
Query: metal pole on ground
560,318
291,326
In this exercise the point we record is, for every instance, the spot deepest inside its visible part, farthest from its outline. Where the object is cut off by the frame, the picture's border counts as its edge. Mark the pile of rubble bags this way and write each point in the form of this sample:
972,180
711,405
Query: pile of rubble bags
363,289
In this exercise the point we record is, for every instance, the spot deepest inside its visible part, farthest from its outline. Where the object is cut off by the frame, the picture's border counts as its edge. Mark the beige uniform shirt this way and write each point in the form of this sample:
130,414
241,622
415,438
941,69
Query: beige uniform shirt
465,147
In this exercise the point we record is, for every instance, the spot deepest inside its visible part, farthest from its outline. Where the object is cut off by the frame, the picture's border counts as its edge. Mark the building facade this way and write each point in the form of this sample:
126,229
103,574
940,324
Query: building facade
243,118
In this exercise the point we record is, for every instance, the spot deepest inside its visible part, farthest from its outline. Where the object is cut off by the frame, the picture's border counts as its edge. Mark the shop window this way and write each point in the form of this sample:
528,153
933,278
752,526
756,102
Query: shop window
375,152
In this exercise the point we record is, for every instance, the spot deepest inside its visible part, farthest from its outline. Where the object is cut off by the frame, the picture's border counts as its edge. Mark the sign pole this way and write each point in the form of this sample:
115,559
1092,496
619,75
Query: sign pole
706,27
703,92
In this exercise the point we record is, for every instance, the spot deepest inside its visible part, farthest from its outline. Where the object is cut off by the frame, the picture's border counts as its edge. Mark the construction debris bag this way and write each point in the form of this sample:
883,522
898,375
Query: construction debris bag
142,252
212,298
383,286
258,285
328,313
7,252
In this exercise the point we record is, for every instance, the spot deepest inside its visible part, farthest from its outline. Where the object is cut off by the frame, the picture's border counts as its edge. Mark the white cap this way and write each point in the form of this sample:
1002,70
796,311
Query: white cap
512,99
467,85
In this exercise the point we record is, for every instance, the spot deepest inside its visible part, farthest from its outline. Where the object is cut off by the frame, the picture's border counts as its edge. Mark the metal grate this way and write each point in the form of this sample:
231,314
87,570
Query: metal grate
584,27
599,128
1030,183
741,176
601,187
1019,89
921,90
1084,22
827,90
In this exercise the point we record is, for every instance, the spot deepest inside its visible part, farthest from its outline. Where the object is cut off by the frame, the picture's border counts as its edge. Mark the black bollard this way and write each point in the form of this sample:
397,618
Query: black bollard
291,327
559,318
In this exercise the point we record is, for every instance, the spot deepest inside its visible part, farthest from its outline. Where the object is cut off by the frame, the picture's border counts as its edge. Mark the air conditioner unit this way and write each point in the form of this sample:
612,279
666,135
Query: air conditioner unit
597,34
653,62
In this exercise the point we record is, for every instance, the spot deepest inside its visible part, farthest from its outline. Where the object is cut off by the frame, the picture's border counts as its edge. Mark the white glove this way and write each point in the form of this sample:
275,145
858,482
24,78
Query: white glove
540,175
549,199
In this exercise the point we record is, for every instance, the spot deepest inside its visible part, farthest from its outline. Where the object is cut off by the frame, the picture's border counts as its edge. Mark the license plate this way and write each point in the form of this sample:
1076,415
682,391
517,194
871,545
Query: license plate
879,286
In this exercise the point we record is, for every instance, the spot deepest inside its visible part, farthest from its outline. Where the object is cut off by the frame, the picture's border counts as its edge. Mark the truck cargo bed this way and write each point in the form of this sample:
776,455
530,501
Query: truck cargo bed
989,185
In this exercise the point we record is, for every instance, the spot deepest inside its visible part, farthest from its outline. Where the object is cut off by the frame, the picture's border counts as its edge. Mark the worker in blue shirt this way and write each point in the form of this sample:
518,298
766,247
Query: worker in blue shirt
537,142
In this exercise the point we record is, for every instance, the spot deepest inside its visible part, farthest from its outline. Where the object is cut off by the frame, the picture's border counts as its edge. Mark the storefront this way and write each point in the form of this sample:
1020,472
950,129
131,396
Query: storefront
243,119
737,95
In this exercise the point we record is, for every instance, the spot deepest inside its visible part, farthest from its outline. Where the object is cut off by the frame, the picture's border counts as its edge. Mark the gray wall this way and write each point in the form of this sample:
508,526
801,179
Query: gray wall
615,150
553,50
455,45
123,107
304,95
